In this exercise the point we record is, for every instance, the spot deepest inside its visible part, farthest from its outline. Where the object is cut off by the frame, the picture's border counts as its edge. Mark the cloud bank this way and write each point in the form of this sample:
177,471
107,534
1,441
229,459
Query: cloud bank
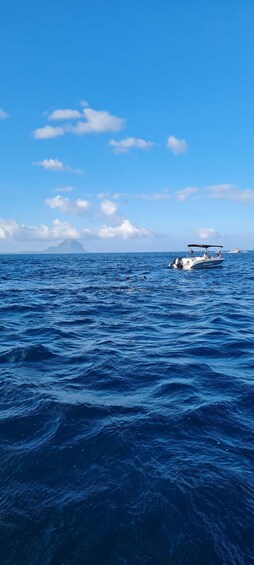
13,230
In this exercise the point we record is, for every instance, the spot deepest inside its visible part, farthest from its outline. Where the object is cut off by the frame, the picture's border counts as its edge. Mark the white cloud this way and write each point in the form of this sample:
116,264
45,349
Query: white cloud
217,191
220,189
48,132
115,195
177,146
63,230
102,195
64,189
186,192
7,228
10,229
66,206
246,195
13,230
56,165
125,145
97,122
125,230
52,165
230,192
90,121
67,114
208,233
84,103
108,208
162,195
3,114
118,195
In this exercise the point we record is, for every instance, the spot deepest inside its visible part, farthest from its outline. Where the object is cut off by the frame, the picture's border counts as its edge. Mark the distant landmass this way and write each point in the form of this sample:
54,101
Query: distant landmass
67,246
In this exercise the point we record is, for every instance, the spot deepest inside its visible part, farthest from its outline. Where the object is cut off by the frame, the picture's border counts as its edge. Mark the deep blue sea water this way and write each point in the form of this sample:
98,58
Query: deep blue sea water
127,413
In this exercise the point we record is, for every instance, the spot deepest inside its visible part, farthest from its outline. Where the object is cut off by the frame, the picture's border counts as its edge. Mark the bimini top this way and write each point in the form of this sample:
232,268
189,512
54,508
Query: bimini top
203,245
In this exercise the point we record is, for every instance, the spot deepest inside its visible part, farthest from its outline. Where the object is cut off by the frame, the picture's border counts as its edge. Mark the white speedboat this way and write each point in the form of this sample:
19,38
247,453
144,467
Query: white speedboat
197,260
237,250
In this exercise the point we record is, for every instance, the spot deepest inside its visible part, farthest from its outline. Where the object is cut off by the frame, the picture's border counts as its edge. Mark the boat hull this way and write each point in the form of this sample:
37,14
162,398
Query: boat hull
190,263
207,264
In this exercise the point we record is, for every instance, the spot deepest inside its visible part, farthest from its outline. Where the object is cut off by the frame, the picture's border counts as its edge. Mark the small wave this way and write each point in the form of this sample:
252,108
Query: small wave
33,353
20,308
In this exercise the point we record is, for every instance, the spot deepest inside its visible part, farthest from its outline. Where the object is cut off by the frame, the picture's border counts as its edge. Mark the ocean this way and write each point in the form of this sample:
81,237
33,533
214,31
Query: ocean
127,411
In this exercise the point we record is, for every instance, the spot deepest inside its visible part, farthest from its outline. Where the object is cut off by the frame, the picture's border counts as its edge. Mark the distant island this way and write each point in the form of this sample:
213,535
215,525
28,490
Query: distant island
67,246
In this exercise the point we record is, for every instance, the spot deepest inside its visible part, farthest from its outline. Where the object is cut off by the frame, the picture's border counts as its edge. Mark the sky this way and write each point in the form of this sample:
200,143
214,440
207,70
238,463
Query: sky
126,125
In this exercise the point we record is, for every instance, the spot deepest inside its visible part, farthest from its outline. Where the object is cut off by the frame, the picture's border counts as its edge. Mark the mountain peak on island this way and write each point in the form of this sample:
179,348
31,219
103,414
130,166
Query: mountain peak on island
66,246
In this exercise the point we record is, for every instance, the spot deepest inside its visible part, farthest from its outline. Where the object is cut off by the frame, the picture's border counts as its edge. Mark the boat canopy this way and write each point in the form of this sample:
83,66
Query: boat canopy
203,245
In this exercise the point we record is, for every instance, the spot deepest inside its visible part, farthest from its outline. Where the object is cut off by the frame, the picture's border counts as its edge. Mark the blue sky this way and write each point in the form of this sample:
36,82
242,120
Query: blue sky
126,125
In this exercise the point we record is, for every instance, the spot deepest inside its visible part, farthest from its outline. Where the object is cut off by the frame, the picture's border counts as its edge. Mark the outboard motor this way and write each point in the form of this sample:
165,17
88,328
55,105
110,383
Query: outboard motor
177,263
